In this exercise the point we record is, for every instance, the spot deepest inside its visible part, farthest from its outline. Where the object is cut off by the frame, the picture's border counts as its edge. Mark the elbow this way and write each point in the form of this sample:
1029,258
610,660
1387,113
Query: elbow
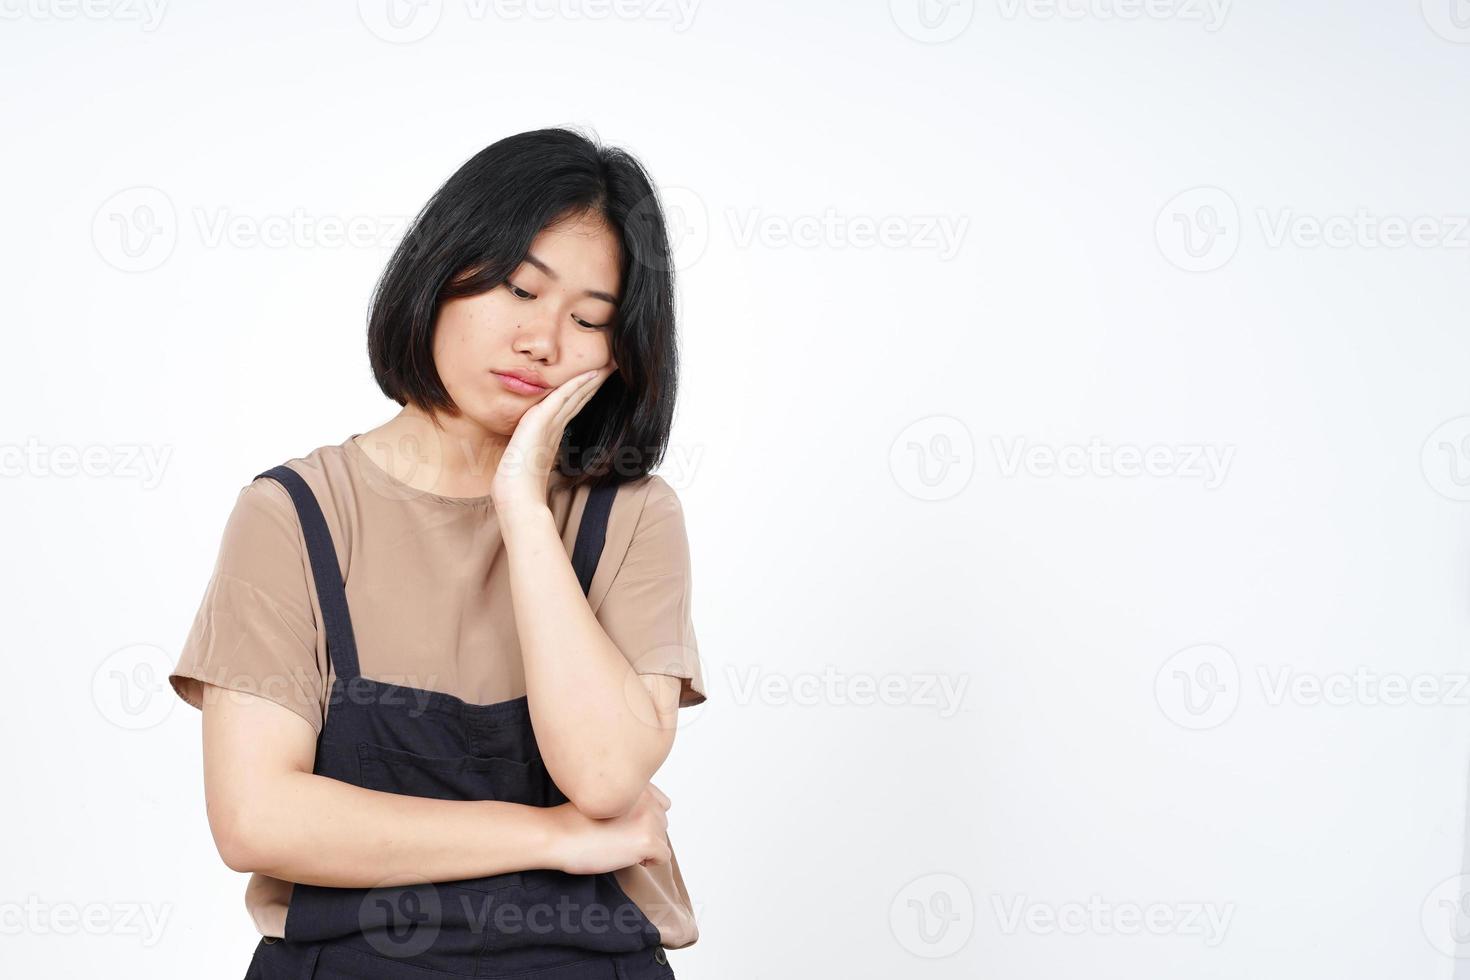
603,806
239,847
603,797
238,858
237,853
610,785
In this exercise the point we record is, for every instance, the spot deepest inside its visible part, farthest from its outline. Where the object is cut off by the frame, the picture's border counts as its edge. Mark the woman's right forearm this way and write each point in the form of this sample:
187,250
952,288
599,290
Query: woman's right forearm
322,831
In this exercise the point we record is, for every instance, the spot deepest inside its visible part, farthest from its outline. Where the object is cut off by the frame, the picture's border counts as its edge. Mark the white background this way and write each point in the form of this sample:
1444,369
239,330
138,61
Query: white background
1226,698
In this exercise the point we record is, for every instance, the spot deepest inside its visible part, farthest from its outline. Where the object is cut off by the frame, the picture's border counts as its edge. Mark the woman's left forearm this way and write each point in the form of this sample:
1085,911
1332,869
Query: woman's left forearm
595,722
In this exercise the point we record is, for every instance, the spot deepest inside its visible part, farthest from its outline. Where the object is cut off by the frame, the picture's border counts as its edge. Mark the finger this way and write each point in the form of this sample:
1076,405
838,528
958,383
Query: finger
568,389
566,392
582,388
558,405
659,797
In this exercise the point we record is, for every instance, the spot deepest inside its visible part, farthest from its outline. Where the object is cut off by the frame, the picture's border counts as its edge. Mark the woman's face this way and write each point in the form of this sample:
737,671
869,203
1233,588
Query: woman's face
549,321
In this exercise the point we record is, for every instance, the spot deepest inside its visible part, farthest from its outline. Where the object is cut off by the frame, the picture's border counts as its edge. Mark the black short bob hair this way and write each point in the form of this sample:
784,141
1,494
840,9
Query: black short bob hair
475,231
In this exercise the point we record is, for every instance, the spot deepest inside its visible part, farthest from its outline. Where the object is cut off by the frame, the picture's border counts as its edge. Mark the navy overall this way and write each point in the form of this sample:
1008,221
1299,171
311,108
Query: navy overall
539,924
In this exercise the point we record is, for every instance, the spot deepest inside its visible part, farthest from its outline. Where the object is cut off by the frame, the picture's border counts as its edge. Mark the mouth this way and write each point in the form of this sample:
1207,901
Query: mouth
519,382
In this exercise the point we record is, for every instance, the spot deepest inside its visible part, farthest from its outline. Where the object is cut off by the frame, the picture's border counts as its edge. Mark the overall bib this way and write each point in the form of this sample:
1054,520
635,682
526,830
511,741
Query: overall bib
539,924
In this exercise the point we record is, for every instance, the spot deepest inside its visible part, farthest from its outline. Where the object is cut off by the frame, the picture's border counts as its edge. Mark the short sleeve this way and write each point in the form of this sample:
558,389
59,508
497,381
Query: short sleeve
255,630
647,610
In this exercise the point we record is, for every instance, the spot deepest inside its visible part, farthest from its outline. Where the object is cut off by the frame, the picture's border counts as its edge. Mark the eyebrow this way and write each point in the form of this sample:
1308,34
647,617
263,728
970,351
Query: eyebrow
594,293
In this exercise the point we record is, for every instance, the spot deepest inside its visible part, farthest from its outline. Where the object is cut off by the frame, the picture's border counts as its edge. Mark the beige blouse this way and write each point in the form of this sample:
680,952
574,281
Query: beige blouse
428,587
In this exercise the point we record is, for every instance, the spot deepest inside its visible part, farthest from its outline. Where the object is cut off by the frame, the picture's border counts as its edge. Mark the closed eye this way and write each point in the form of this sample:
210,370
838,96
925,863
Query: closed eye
520,293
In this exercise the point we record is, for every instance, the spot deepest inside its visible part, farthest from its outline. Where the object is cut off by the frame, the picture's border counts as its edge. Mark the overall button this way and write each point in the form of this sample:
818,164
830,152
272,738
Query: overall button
658,955
270,939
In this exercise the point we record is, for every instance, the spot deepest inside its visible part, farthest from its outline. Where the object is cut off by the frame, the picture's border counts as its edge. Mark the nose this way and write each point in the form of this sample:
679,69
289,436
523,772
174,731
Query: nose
536,335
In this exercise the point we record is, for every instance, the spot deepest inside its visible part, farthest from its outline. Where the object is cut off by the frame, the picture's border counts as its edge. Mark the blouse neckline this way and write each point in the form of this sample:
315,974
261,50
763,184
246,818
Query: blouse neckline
379,473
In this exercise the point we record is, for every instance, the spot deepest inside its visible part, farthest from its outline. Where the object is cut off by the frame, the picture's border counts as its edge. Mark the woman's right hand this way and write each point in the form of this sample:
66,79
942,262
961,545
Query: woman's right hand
586,845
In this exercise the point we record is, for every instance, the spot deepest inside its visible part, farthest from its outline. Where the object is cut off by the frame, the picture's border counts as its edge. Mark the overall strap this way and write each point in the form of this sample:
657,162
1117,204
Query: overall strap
341,645
592,533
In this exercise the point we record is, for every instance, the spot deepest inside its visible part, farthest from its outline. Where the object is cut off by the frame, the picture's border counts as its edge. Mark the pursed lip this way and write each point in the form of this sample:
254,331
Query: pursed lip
529,377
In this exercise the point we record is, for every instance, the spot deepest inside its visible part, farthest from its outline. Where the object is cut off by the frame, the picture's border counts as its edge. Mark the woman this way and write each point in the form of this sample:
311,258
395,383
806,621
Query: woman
440,661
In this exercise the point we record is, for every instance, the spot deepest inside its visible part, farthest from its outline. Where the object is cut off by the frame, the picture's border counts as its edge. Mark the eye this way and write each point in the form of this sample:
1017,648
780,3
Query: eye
589,326
517,291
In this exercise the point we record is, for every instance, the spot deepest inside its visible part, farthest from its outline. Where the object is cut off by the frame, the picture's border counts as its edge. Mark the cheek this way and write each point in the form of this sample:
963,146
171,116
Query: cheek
465,336
592,351
450,340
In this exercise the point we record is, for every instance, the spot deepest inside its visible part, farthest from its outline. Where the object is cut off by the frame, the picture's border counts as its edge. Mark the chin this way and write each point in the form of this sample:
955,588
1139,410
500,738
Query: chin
501,417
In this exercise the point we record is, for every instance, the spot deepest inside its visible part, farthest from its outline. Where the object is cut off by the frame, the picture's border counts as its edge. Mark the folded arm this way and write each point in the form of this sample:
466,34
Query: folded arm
269,813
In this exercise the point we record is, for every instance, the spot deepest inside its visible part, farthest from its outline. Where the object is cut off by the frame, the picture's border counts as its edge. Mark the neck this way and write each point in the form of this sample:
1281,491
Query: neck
453,457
